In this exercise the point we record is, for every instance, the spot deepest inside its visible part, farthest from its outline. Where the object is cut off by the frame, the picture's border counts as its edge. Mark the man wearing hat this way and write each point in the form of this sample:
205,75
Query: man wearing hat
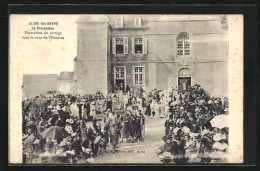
104,132
62,148
54,118
178,141
37,146
49,146
68,126
169,123
76,145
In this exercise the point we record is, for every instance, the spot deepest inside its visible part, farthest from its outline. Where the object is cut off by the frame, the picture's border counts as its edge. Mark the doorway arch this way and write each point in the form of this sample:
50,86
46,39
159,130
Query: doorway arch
184,78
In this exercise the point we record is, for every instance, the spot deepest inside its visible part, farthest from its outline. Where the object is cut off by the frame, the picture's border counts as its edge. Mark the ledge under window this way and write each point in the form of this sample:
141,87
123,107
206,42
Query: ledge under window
138,55
118,55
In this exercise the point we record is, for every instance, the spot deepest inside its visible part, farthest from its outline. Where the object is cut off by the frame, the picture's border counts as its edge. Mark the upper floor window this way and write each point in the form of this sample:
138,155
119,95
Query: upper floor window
139,46
183,44
120,45
119,22
138,21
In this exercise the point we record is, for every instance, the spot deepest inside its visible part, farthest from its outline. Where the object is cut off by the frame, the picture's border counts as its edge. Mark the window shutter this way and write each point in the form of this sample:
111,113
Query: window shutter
125,45
144,46
122,22
113,46
116,23
133,45
136,22
140,22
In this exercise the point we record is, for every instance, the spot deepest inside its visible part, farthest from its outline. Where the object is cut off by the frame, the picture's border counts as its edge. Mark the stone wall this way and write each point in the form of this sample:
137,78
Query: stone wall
34,85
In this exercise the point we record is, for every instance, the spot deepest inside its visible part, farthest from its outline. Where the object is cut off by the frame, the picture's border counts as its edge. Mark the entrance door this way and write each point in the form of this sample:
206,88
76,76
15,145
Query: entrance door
119,78
184,82
120,84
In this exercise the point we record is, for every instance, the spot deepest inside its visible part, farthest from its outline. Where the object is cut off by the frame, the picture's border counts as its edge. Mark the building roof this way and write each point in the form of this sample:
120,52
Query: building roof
128,20
188,18
66,75
150,17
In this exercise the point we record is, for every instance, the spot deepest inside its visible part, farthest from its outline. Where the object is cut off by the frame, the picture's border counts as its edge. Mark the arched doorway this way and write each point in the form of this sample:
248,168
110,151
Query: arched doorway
184,78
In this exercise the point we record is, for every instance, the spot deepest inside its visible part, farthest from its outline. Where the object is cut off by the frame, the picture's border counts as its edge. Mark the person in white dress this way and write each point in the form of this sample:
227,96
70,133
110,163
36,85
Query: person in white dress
74,110
92,109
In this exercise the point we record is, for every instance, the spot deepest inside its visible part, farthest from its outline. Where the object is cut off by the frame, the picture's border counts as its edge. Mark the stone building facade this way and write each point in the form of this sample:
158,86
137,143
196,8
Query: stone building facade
149,51
152,52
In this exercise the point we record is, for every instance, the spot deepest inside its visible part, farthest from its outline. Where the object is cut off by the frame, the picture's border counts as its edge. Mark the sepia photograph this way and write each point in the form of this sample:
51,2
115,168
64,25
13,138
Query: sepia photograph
126,89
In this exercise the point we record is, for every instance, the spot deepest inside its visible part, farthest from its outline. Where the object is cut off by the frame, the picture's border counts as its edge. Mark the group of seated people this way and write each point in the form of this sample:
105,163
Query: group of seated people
189,135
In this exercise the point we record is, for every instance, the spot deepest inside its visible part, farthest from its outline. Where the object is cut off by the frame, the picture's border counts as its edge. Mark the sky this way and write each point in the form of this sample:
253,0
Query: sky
43,56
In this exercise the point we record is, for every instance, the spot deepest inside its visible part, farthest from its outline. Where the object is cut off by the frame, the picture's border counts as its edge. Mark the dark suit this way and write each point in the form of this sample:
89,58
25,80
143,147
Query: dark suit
168,123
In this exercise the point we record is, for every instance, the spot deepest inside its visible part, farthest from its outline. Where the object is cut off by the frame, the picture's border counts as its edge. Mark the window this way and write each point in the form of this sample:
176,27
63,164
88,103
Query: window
183,44
119,72
138,75
120,45
137,21
119,22
139,46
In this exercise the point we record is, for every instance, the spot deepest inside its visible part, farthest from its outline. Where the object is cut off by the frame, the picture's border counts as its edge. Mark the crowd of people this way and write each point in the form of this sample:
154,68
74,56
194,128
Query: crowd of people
65,128
189,135
76,129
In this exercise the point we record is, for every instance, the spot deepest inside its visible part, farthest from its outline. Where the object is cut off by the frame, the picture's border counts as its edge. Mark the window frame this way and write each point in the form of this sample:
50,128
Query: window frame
144,45
121,22
125,45
143,75
119,44
120,78
139,21
181,45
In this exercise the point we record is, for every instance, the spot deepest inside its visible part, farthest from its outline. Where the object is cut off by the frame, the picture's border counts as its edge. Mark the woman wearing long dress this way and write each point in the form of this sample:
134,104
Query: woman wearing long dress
156,109
93,109
113,135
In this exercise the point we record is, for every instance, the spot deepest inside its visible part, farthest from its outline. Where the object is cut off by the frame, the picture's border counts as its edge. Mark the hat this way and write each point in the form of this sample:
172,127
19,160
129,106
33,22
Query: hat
197,109
83,100
49,145
63,143
58,107
216,101
167,154
186,130
70,121
217,155
36,141
31,126
218,137
55,112
74,134
220,146
88,150
195,135
205,131
176,130
169,136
